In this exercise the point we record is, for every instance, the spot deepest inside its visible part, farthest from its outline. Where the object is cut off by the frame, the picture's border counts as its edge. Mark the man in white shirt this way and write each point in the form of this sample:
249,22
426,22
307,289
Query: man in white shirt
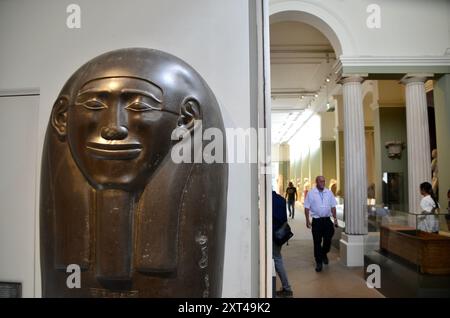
320,203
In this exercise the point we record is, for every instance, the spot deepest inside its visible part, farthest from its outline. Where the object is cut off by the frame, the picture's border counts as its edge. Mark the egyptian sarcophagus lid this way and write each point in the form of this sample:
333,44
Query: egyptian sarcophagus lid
113,201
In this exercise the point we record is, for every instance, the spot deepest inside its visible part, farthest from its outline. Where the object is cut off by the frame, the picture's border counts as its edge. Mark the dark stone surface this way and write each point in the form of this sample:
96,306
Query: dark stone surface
112,199
400,279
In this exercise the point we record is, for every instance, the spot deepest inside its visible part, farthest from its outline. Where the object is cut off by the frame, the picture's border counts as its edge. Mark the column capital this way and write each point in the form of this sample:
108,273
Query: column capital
416,78
351,78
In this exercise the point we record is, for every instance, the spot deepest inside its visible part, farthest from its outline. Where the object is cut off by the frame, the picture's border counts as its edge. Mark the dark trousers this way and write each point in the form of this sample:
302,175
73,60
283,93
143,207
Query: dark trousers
291,208
322,231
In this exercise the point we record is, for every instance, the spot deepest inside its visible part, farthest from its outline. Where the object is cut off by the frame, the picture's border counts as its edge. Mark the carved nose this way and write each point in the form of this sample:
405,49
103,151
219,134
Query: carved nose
114,132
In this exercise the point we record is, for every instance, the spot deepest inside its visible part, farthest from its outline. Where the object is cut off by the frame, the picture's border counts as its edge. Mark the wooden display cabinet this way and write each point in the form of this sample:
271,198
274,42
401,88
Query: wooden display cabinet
429,251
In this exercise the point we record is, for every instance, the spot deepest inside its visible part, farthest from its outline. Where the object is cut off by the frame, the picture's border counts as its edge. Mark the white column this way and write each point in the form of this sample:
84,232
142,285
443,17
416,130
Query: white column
418,138
355,196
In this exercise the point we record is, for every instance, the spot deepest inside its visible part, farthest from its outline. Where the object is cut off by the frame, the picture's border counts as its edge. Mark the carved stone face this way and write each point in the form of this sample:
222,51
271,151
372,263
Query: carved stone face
144,231
119,130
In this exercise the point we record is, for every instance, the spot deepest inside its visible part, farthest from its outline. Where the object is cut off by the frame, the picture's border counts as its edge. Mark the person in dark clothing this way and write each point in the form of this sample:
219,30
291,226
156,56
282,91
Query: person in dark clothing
448,198
291,196
447,216
279,217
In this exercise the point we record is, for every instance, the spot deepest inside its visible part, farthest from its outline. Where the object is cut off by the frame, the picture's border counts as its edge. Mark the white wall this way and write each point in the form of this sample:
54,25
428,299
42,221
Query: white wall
306,144
38,50
18,136
408,27
327,126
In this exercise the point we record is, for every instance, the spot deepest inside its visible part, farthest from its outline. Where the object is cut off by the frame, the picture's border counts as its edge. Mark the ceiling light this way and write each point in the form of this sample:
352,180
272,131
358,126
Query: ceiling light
327,80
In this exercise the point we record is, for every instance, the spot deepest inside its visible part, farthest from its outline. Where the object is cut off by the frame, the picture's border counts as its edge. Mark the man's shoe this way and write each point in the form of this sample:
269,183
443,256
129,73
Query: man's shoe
318,267
284,293
325,260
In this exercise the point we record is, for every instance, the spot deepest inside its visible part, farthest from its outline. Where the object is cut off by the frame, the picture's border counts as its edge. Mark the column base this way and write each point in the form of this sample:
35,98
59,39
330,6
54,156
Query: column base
352,250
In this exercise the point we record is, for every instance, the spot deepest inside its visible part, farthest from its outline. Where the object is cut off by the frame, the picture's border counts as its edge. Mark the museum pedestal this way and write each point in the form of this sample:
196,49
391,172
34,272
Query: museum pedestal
352,250
401,279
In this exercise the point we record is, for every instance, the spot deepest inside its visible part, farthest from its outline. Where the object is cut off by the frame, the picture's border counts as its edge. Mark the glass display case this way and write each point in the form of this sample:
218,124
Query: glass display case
418,239
411,250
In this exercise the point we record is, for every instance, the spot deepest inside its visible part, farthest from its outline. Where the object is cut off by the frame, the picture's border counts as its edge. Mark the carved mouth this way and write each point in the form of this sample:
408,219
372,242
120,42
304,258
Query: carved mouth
114,150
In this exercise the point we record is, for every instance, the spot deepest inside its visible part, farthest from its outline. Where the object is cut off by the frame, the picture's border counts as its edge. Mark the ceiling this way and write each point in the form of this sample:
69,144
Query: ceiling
301,59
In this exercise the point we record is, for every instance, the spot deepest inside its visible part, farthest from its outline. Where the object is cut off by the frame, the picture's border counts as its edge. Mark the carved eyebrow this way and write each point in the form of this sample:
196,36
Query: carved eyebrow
93,90
141,92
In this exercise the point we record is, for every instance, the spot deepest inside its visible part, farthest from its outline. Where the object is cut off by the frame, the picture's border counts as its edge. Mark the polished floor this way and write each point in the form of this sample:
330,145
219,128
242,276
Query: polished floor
335,280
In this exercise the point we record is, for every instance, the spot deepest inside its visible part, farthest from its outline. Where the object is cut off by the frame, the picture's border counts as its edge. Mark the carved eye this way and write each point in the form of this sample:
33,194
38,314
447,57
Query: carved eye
140,106
94,104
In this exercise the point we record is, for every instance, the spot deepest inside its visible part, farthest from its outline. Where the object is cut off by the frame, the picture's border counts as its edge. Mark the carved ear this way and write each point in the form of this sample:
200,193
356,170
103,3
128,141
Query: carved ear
59,116
190,111
189,114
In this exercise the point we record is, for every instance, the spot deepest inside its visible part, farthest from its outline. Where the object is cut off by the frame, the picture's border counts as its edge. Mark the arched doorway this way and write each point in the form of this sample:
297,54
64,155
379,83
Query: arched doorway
306,42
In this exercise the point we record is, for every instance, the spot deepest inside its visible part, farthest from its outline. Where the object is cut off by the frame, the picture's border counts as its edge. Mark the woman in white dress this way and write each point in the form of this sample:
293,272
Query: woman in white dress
428,222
